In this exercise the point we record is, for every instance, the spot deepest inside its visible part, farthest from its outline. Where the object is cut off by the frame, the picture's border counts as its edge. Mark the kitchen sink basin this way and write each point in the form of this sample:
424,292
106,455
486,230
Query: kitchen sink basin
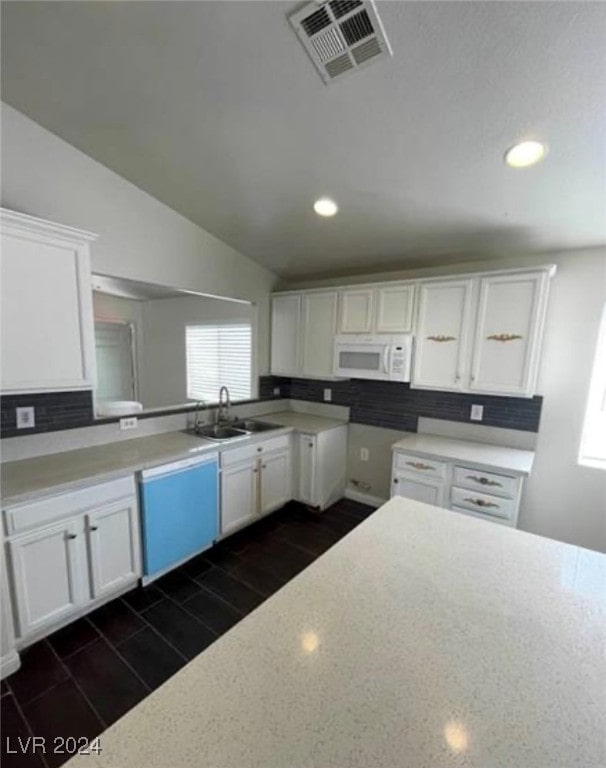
249,425
234,431
218,433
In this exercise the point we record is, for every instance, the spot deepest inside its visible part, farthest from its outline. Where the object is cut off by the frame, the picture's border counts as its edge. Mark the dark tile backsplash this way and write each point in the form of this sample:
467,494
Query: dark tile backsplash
376,403
55,410
397,406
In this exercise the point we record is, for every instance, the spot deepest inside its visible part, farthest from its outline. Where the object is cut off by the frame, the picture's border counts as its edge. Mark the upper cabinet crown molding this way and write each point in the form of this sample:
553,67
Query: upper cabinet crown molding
47,333
13,222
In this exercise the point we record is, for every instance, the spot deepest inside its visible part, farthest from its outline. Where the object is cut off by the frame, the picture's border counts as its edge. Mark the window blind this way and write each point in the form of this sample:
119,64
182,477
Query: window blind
218,356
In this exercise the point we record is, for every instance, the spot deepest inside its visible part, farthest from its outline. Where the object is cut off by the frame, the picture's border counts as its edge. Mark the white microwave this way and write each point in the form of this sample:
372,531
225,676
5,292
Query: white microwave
380,356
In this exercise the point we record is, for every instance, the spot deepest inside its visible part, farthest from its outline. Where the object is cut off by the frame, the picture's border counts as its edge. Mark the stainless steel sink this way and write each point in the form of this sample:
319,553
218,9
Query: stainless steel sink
237,430
218,433
250,425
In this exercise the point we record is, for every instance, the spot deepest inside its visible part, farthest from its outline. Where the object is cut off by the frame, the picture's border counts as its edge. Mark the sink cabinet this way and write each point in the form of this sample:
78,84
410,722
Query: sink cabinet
255,480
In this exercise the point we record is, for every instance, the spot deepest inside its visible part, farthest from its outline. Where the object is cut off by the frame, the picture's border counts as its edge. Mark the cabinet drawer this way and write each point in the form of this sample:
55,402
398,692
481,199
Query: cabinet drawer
419,465
50,508
480,515
483,503
478,480
249,452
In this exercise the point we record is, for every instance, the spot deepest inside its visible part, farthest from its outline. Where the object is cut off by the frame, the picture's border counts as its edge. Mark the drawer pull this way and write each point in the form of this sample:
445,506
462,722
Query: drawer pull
396,481
94,528
420,465
484,480
482,503
442,338
259,450
504,337
72,535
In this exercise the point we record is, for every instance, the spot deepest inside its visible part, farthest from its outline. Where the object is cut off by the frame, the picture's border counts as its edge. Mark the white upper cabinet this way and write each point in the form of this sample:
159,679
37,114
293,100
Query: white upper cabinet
356,310
442,334
47,330
511,312
319,321
385,308
395,305
285,334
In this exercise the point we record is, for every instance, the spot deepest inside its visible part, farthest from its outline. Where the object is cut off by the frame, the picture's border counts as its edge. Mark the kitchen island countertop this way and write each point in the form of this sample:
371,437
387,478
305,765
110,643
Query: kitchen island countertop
422,639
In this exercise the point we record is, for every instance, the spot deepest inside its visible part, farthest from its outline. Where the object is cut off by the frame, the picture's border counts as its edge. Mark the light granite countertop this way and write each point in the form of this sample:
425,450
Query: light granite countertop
422,639
24,480
512,460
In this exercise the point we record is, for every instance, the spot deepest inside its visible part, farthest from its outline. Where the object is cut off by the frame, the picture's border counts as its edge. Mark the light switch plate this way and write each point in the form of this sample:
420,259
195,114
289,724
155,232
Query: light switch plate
477,412
26,417
328,395
364,454
276,391
131,422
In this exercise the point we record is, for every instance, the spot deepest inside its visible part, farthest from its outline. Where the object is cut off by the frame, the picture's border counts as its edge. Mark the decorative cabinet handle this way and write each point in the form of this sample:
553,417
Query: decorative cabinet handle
419,465
484,480
255,470
504,337
72,536
482,503
94,528
264,466
440,338
396,481
311,445
259,450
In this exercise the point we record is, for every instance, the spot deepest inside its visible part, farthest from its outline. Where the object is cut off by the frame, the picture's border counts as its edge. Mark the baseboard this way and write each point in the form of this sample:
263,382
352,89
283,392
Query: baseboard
364,498
9,664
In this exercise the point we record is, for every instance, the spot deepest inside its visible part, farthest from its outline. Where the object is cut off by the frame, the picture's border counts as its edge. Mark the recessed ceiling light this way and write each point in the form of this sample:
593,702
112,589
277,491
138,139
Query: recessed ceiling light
525,153
325,207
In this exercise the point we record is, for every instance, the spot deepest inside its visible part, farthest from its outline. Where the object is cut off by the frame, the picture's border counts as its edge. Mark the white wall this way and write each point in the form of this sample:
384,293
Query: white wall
561,499
139,237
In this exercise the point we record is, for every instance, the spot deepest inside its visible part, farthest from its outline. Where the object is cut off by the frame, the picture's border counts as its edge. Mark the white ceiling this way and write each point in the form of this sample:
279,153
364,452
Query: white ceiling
215,109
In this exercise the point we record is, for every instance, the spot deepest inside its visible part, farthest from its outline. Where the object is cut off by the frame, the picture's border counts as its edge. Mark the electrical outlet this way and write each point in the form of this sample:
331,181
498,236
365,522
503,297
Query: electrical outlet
328,395
131,422
26,417
364,454
276,391
477,412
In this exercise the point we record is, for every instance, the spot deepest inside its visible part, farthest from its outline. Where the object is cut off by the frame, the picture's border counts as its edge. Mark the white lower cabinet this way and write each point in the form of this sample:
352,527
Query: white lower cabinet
238,496
48,573
68,552
275,482
255,480
420,490
114,551
461,487
321,467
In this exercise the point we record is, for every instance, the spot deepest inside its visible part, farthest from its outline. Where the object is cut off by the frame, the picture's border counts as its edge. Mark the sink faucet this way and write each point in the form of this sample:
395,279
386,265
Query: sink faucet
224,406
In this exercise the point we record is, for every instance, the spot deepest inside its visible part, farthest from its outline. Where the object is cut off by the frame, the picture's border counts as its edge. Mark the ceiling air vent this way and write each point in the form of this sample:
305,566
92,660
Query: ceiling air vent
341,36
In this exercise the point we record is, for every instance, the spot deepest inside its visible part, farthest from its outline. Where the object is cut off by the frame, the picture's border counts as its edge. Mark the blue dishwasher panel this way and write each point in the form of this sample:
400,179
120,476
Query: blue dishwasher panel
180,514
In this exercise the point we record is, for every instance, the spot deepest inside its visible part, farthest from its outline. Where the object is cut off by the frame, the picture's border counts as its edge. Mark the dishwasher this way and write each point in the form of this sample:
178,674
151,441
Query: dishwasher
179,512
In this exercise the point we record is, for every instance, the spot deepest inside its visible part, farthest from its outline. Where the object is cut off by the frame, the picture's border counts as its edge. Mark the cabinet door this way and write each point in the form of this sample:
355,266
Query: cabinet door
307,469
442,334
275,482
429,493
508,333
355,314
49,574
239,491
47,337
285,330
394,308
319,323
113,541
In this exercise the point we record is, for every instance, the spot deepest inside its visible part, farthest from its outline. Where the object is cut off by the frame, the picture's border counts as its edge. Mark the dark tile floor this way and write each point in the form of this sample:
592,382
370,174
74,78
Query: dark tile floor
84,677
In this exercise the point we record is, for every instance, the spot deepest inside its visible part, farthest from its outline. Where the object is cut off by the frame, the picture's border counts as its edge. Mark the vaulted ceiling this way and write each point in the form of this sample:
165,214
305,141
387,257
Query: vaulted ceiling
215,109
